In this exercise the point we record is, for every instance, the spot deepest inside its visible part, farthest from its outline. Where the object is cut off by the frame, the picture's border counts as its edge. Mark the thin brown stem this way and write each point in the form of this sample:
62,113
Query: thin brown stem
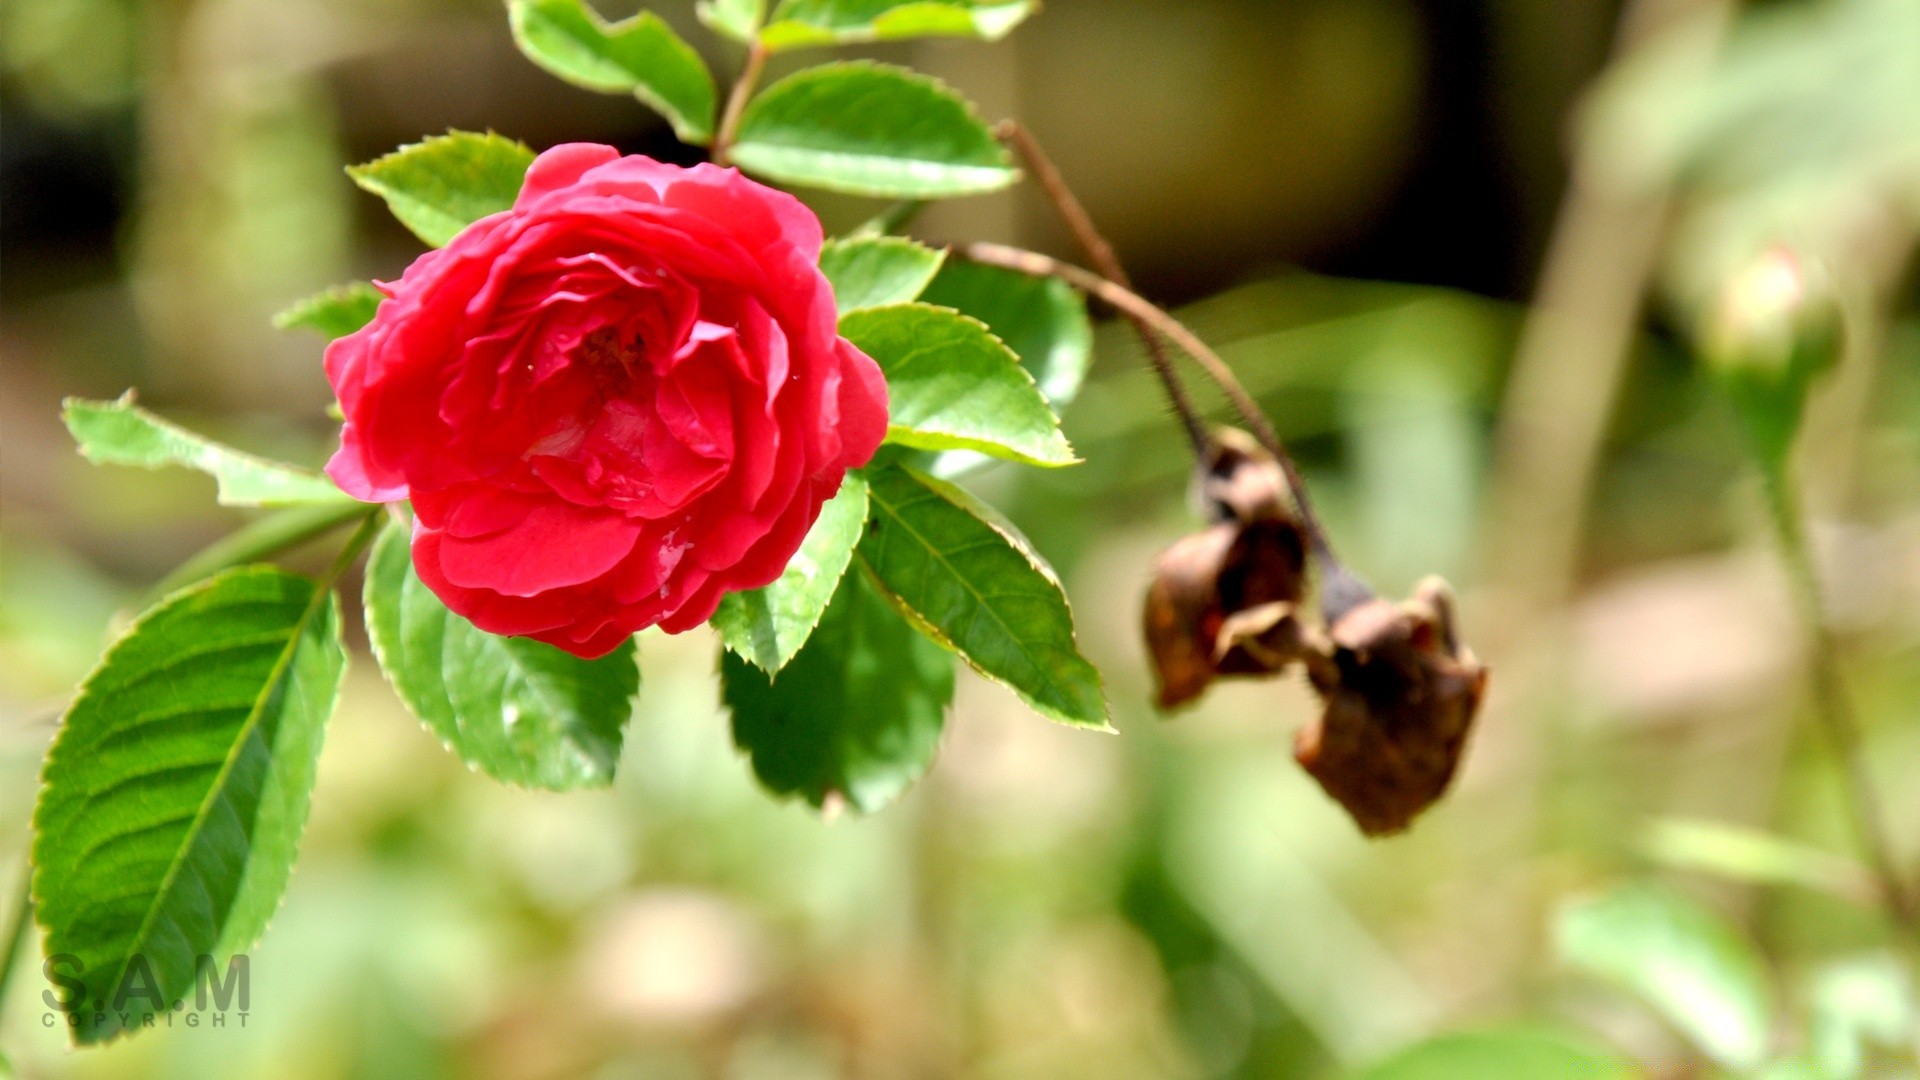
1107,263
1135,306
737,99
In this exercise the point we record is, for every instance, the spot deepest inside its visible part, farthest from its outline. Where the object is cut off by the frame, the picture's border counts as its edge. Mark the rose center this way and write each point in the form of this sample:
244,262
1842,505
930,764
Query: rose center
613,359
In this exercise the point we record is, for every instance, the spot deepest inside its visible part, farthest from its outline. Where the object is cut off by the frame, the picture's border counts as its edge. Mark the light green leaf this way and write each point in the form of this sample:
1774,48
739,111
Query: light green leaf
120,433
520,710
641,56
800,23
871,129
441,185
1514,1053
879,270
1860,1004
856,715
1744,854
969,580
1682,959
737,19
176,791
1043,320
768,626
335,313
951,385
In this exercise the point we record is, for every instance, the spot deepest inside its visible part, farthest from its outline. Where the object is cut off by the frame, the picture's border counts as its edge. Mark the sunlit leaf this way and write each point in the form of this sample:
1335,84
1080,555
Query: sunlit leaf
520,710
1043,320
1744,854
177,789
441,185
951,385
856,715
877,270
800,23
641,56
1860,1005
335,313
1516,1053
1682,959
121,433
969,579
870,129
767,626
737,19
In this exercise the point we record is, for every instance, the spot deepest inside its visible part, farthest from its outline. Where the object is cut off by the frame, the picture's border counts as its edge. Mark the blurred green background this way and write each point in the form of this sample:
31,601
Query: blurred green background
1454,246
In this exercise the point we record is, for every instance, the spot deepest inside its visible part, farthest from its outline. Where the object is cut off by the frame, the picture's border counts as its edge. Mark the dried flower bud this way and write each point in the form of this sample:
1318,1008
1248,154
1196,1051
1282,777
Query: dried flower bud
1400,693
1222,600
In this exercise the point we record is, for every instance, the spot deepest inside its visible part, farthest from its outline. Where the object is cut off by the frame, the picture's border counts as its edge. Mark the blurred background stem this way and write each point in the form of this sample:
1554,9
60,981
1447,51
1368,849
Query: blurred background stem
17,933
1830,702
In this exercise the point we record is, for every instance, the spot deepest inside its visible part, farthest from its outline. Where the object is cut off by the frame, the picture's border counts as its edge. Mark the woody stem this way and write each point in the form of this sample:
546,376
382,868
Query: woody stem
737,99
1107,263
1135,306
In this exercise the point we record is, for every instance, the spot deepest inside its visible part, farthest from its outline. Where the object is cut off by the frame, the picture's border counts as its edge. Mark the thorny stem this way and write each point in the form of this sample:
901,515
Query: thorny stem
737,99
1830,697
1341,590
1107,263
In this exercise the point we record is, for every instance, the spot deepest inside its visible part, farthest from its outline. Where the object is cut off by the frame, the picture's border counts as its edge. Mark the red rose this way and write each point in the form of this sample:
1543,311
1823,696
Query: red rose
611,404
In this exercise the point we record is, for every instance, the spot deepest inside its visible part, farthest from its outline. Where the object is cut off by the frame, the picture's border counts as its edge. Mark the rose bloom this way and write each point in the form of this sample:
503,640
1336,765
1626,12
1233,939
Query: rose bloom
610,405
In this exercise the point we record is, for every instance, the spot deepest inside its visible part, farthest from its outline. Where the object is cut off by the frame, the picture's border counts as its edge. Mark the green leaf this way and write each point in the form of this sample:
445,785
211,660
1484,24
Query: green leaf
951,385
768,626
969,580
121,433
443,184
1749,855
1514,1053
175,794
1682,959
520,710
856,715
737,19
641,56
876,271
1859,1005
1043,320
871,129
335,313
800,23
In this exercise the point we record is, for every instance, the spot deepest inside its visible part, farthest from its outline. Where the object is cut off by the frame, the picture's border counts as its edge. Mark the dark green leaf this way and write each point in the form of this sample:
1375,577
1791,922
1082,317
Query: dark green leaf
952,385
641,56
176,791
520,710
1518,1053
799,23
1682,959
121,433
335,313
767,626
968,579
879,270
871,129
737,19
1043,320
856,715
441,185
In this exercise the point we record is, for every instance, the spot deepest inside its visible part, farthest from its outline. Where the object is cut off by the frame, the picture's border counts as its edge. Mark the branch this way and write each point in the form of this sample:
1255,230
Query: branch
1101,254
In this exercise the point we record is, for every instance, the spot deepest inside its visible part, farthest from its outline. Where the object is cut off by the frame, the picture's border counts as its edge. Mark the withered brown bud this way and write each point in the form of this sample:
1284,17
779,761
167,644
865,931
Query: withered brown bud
1401,692
1222,600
